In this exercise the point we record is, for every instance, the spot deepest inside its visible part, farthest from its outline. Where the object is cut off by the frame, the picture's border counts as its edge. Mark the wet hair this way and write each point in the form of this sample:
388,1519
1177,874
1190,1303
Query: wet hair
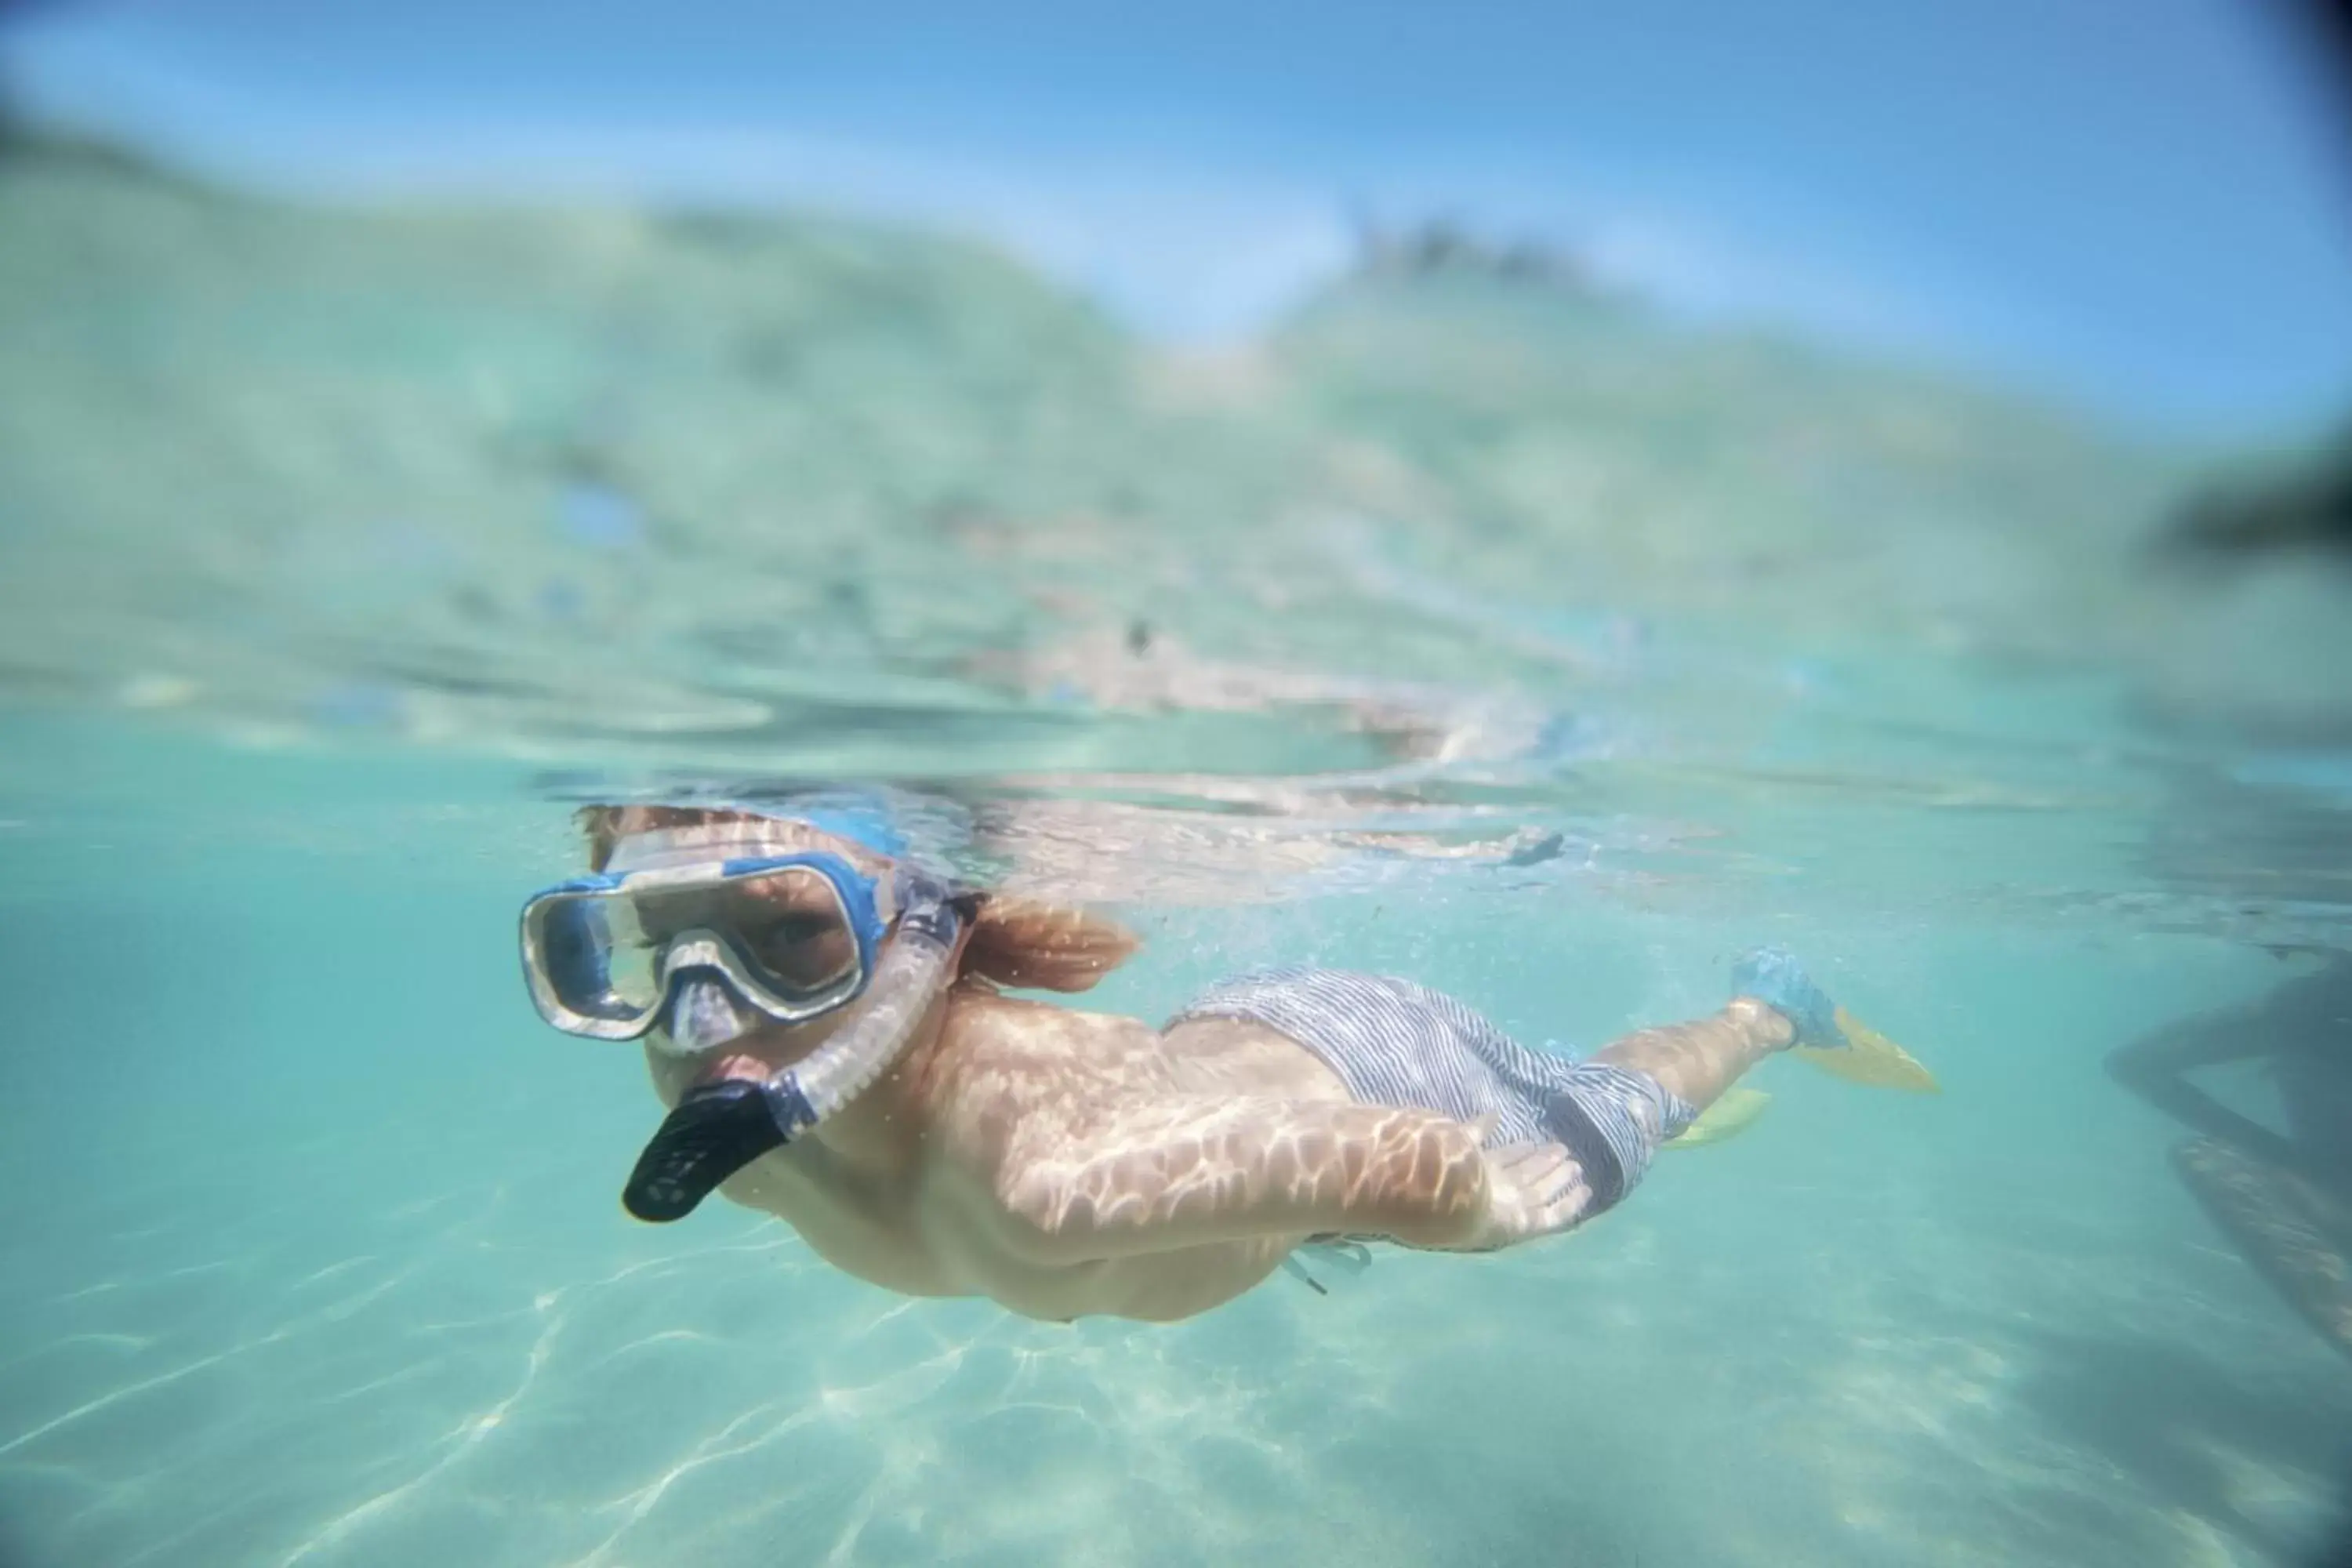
1023,943
1031,945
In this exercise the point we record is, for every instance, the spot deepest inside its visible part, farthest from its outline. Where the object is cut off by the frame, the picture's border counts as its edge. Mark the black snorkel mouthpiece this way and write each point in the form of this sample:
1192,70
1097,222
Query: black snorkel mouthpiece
717,1130
722,1126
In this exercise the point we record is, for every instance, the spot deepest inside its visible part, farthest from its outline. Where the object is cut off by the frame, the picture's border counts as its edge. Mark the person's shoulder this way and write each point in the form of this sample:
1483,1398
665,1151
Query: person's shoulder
982,1022
1001,1063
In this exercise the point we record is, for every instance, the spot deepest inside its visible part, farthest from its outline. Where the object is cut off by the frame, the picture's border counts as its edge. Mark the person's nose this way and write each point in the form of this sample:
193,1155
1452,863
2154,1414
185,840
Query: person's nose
703,1016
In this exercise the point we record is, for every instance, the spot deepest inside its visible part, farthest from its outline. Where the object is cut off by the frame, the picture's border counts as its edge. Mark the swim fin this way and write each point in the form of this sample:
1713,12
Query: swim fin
1728,1116
1869,1058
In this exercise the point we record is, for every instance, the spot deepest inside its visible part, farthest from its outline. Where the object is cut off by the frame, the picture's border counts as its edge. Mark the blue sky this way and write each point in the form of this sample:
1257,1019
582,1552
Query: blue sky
2137,205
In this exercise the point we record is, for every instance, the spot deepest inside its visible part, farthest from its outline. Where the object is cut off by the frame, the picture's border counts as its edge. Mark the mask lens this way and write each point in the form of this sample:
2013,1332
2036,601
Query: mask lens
593,958
634,980
573,938
787,927
791,927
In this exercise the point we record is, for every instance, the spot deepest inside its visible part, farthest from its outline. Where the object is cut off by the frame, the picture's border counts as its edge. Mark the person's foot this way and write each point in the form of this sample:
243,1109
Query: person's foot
1773,976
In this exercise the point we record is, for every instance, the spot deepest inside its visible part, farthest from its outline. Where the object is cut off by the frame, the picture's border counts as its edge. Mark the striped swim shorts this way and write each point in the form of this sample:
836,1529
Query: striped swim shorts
1397,1044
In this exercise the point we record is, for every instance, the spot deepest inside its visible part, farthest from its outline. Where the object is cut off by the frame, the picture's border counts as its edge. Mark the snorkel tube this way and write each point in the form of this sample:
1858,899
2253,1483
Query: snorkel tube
720,1127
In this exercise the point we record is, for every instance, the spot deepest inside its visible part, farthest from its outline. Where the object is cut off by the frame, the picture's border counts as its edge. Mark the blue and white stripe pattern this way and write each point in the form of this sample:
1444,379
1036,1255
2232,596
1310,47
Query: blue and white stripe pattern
1398,1044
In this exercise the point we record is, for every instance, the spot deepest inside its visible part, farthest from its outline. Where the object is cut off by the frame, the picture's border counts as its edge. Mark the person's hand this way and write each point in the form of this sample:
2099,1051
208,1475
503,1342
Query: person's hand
1532,1190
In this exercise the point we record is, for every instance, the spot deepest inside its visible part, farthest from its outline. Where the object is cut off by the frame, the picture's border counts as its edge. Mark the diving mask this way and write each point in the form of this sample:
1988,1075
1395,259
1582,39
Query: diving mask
793,936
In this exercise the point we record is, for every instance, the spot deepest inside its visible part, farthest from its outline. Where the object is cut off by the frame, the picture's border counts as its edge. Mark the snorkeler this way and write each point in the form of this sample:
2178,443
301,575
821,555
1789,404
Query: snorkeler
825,1022
2283,1196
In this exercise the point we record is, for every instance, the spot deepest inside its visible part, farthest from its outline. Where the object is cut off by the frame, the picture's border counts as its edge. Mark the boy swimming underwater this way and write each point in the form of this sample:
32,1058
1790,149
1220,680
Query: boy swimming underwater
825,1024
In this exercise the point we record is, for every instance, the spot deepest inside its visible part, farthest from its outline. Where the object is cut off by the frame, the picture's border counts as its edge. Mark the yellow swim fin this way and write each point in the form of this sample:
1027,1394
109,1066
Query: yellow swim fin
1871,1059
1730,1115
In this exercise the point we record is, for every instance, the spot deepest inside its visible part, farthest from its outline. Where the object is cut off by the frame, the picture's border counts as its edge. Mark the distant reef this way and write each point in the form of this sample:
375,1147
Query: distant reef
1444,248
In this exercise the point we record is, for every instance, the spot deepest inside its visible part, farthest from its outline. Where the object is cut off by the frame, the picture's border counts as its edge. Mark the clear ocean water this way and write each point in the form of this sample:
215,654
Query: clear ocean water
1486,631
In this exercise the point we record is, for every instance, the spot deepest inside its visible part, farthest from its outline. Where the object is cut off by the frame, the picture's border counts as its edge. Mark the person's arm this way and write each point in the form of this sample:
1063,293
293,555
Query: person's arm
2155,1068
1078,1149
1157,1176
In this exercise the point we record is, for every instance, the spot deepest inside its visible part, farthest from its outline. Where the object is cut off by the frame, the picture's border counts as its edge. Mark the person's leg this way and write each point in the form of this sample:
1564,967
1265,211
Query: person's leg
1614,1109
1774,1004
1697,1061
1619,1106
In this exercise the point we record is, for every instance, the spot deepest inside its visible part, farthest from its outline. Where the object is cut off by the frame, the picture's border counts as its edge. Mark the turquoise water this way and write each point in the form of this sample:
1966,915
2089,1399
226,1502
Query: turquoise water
348,552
